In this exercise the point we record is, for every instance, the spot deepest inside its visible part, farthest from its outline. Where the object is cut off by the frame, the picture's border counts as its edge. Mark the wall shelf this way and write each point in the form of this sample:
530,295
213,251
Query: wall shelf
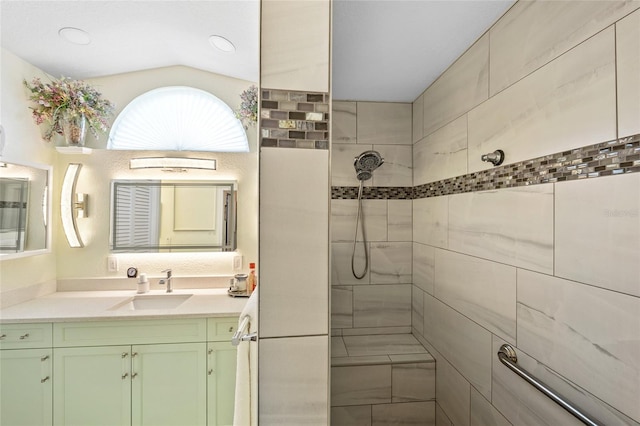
73,150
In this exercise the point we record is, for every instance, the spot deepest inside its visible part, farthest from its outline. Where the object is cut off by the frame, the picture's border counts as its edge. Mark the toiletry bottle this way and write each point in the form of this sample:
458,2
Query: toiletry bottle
143,284
252,281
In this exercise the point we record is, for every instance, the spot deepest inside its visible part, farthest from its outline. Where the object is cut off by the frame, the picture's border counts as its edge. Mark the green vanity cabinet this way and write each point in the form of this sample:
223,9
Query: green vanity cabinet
25,374
221,370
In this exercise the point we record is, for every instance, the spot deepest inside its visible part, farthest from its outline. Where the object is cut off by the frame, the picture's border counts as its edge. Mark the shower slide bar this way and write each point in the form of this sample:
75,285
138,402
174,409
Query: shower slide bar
508,357
239,337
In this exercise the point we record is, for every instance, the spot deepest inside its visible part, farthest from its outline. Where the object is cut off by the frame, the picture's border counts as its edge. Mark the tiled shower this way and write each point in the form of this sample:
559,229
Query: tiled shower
541,253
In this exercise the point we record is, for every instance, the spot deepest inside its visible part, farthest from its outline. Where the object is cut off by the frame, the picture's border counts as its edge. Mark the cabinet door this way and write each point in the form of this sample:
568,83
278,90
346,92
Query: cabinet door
25,387
221,371
169,384
92,386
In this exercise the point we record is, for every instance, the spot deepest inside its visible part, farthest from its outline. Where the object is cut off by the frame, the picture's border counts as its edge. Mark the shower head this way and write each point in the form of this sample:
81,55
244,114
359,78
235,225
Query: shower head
366,163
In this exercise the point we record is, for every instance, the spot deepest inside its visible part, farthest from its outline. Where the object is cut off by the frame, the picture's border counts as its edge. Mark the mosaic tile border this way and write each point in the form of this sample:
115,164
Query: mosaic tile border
372,193
619,156
291,119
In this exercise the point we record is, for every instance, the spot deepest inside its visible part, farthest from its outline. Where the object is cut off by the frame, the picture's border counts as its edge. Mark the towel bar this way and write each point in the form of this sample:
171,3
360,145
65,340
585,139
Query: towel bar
239,337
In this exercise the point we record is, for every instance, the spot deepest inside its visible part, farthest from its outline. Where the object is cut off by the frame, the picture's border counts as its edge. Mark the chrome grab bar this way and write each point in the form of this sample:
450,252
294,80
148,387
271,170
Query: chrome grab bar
239,337
508,357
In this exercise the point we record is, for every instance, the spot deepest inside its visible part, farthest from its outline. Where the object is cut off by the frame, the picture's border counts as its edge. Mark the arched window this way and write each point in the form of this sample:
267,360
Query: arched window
178,118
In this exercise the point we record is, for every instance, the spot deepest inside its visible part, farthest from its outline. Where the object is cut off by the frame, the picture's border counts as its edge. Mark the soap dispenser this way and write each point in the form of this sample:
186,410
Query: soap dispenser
143,284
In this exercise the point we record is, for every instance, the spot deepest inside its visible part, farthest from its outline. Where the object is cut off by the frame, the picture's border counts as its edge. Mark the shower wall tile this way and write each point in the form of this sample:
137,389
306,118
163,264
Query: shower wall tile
341,273
295,56
424,267
363,331
386,345
512,226
391,263
608,254
482,290
463,86
417,309
413,382
417,118
442,154
397,167
568,103
483,413
362,384
430,221
441,417
518,48
382,305
560,321
429,318
522,404
291,392
341,307
384,123
400,220
410,414
464,344
628,68
342,171
343,220
452,393
294,242
351,415
344,122
338,349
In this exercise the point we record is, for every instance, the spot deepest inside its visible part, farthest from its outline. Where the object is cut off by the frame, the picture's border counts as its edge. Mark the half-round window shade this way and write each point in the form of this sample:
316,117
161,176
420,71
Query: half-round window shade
178,118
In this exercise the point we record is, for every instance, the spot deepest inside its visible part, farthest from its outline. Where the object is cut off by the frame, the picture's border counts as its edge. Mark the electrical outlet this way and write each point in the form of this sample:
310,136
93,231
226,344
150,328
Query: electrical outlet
237,263
112,264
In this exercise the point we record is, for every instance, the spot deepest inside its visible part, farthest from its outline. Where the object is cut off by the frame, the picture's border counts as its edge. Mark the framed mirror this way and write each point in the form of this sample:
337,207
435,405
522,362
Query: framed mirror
165,216
25,209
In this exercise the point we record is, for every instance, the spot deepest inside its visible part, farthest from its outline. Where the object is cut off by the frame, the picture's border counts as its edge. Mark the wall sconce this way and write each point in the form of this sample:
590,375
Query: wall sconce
172,164
72,205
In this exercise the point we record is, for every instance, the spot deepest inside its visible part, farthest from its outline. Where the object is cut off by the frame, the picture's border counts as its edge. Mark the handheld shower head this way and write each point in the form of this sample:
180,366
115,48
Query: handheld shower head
366,163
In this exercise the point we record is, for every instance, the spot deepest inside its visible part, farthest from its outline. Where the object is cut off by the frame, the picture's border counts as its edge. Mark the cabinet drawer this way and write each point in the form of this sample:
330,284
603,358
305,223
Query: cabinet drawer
25,336
129,332
221,329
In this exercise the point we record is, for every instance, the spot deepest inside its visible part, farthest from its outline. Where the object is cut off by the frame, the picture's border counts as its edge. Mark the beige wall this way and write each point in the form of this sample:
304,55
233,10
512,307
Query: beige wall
552,268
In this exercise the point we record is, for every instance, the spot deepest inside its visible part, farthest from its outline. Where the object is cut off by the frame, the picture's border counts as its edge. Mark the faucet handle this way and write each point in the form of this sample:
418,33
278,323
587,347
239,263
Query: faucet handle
168,271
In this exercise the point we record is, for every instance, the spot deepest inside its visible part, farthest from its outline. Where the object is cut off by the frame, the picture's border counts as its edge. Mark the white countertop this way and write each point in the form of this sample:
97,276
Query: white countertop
96,305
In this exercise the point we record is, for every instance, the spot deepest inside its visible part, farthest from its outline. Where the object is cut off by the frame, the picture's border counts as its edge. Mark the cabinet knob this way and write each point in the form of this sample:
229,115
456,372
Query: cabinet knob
125,375
210,351
44,380
44,358
24,336
124,354
2,336
231,329
210,372
135,354
133,376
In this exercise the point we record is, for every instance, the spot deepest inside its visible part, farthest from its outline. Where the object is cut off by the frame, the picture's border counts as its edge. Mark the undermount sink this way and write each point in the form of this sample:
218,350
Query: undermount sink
158,301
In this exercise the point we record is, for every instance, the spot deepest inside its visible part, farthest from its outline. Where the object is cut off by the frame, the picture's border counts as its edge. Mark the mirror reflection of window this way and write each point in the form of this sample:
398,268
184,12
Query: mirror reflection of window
14,195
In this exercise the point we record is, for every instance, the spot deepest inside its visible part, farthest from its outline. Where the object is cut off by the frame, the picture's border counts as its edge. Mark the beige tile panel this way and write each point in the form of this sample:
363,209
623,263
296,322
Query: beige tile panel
482,290
417,309
452,393
483,413
413,382
442,154
566,104
430,221
295,45
464,344
294,233
597,237
390,263
463,86
406,414
512,226
561,322
343,122
628,67
418,118
519,47
362,384
384,123
424,267
351,415
441,417
293,381
397,169
400,220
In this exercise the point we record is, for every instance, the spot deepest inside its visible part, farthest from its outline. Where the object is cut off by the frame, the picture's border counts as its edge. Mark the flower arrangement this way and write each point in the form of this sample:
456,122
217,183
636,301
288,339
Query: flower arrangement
68,97
248,111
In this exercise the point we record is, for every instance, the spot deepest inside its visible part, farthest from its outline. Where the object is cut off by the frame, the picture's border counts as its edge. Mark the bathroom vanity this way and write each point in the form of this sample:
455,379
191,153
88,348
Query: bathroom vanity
108,362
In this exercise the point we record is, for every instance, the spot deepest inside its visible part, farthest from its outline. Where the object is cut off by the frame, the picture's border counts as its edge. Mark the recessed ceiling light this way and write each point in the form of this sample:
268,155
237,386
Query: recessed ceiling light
222,43
74,35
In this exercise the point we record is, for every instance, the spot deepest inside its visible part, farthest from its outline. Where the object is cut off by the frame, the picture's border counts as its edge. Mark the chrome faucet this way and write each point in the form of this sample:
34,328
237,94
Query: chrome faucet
167,280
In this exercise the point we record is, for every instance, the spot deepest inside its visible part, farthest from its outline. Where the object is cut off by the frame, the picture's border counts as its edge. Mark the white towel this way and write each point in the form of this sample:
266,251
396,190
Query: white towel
245,411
